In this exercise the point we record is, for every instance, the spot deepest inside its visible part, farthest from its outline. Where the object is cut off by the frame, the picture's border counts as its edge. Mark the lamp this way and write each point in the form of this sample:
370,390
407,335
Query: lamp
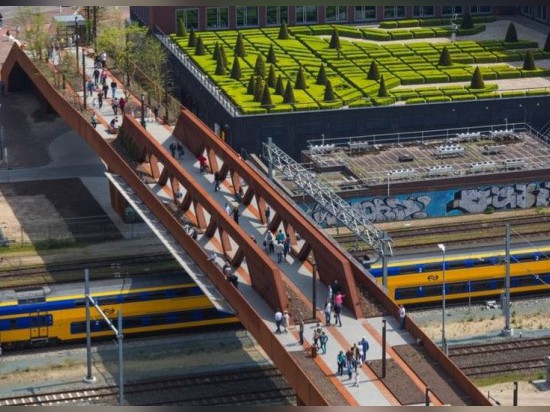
443,337
143,110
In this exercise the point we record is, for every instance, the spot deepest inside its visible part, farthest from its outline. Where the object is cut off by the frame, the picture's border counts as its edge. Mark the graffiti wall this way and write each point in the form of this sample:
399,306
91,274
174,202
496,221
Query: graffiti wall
446,203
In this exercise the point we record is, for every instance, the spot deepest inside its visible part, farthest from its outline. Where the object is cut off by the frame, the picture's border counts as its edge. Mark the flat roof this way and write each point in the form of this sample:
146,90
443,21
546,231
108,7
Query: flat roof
68,20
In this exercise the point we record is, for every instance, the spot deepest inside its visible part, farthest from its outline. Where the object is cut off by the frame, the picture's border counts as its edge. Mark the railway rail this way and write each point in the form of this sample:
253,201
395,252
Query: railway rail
244,386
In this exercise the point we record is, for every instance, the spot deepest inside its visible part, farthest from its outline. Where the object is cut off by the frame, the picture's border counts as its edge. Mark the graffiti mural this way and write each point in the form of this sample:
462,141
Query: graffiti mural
445,203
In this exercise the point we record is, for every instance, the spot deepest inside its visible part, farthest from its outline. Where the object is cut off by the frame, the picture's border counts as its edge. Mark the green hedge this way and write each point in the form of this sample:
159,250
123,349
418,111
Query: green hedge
360,103
478,28
513,93
375,34
389,24
401,35
416,100
537,92
458,97
521,44
408,23
438,99
383,101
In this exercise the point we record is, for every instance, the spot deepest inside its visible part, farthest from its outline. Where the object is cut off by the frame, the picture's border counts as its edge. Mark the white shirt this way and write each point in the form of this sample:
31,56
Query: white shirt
278,315
402,312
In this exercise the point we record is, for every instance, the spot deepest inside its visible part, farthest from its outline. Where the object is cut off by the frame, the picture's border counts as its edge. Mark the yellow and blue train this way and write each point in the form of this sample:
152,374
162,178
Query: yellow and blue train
467,276
57,313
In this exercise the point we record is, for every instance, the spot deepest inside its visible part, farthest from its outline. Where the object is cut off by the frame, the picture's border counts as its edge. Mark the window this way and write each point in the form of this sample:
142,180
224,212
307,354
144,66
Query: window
480,9
423,11
526,10
450,10
190,17
394,12
363,13
247,16
306,14
540,13
276,14
217,18
336,13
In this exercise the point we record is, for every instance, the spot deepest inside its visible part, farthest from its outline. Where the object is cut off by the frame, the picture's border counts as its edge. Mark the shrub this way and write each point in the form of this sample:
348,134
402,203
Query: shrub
416,100
321,76
182,30
220,68
283,31
467,22
266,98
271,57
300,79
382,92
477,80
239,46
373,74
223,55
445,57
236,72
251,84
279,87
511,34
199,48
259,68
271,79
334,40
529,61
329,93
216,52
288,98
390,24
547,44
258,89
192,41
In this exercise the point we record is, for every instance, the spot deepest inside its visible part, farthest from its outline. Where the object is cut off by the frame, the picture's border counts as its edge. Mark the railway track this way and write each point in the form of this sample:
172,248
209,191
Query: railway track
520,355
246,386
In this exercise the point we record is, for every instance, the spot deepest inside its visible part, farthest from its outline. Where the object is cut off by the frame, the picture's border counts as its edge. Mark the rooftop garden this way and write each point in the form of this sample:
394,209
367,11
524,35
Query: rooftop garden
332,66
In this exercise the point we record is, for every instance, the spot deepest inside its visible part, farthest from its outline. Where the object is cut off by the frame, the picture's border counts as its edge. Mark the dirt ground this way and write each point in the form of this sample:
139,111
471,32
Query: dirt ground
528,394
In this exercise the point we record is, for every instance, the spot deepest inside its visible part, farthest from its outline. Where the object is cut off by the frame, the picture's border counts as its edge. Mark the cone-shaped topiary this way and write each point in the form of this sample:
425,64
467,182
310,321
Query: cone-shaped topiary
266,98
467,22
283,31
529,61
258,89
239,46
445,57
334,40
271,57
288,98
236,69
477,80
259,68
216,53
271,78
223,55
280,87
373,74
220,68
182,30
511,34
199,48
547,44
382,92
321,76
329,93
251,84
192,41
300,79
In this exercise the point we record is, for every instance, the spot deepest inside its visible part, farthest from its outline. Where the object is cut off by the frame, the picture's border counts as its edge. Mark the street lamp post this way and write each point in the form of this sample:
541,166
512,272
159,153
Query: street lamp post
84,78
388,176
143,110
76,40
443,337
314,290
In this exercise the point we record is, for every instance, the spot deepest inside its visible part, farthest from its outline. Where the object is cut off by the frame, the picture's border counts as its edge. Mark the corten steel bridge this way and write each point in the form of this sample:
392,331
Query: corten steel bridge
266,277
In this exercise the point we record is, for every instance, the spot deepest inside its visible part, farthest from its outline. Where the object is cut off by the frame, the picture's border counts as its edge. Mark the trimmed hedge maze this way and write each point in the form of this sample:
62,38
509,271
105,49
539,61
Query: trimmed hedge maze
412,64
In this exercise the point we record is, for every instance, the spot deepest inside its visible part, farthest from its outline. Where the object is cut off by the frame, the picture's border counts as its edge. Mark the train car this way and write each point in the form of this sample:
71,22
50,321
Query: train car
469,283
58,313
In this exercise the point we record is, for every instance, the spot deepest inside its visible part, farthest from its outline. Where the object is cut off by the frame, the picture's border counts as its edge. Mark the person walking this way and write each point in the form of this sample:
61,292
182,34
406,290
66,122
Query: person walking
278,320
301,331
279,248
317,333
356,358
105,89
114,106
286,246
179,147
100,99
267,214
93,120
335,289
402,314
90,86
356,384
227,209
216,181
327,310
96,77
364,343
173,149
113,88
341,362
280,236
337,315
236,214
122,104
202,163
323,339
286,321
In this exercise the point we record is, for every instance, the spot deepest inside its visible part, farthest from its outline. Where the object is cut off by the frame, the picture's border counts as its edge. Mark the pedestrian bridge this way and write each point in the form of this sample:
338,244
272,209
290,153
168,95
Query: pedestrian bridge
170,192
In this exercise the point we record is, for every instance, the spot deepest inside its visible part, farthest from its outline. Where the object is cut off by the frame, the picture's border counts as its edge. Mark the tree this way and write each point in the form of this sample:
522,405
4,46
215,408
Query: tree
382,92
477,80
529,61
182,30
334,40
251,84
467,22
216,52
511,34
329,93
288,98
199,48
152,59
259,68
236,69
373,74
271,57
266,98
283,31
223,55
445,57
300,79
271,79
33,20
321,76
547,44
239,46
280,87
192,41
220,67
258,89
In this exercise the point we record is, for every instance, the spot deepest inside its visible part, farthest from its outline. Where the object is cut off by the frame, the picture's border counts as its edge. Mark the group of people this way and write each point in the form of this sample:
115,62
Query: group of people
282,320
353,358
277,243
333,304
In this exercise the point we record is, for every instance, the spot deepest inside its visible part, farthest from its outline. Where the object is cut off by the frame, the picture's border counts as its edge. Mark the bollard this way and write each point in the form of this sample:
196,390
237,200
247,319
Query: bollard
515,394
427,396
